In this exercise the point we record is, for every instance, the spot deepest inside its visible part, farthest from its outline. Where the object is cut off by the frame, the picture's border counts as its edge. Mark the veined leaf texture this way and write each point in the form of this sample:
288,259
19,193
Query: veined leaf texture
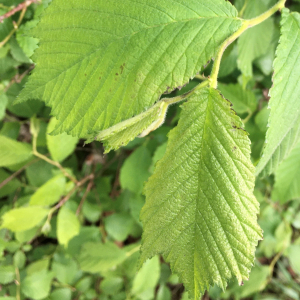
101,62
200,211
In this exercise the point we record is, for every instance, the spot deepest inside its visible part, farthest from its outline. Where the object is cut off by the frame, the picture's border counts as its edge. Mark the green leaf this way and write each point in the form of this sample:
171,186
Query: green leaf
287,185
24,218
60,146
146,279
37,285
243,100
141,125
118,226
255,41
3,103
101,67
135,170
7,274
68,226
200,211
97,257
293,255
50,192
13,152
284,121
61,294
10,187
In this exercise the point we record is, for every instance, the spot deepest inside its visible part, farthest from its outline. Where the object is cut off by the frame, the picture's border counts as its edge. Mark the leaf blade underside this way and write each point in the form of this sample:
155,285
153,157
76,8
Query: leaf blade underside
101,67
284,121
200,212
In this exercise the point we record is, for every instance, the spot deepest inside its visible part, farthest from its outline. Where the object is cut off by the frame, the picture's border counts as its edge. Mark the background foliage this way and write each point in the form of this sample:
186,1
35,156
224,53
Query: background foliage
70,225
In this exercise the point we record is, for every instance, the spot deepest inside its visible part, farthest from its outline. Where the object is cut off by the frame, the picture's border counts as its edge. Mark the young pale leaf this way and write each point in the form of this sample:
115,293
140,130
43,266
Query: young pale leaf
24,218
68,226
200,211
255,41
284,121
147,278
287,185
50,192
122,133
13,152
97,257
60,146
101,67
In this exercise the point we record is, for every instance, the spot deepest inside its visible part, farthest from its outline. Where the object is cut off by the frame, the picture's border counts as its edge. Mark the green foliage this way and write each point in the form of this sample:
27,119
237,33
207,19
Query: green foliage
178,203
284,121
117,69
212,190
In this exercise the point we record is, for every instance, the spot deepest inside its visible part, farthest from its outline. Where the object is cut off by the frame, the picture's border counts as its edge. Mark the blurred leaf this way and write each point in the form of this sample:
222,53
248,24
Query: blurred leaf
61,294
23,218
60,146
10,187
13,152
163,293
294,257
146,279
64,268
7,274
39,173
68,225
19,259
3,104
97,257
135,170
37,285
50,192
118,226
243,100
287,185
255,41
111,285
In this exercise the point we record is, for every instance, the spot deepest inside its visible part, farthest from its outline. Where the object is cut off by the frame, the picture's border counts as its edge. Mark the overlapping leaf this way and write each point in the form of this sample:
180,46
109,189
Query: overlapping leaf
284,121
200,212
101,62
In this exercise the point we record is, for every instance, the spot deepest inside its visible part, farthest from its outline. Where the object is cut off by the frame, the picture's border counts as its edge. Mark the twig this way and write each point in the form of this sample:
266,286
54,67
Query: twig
21,6
11,177
88,189
16,26
18,284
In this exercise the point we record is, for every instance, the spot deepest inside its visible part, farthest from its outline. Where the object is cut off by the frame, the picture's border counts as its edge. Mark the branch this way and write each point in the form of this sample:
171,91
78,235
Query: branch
21,6
11,177
246,25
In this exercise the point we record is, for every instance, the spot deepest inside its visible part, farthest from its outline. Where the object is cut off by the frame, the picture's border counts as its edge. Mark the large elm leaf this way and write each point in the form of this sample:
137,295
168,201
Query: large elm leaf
101,62
284,121
200,211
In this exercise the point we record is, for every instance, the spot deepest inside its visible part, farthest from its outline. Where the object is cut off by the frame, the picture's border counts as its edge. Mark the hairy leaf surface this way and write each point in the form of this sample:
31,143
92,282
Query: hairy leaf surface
284,121
200,212
101,62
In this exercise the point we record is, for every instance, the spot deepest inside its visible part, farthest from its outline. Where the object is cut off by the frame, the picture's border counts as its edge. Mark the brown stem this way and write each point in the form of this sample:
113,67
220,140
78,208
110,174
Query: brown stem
88,189
11,177
21,6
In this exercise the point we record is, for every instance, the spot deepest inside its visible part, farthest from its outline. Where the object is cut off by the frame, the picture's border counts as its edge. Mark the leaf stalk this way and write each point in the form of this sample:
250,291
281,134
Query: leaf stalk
246,25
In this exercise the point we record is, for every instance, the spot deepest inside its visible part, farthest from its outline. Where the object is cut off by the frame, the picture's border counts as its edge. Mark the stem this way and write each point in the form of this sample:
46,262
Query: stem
243,8
186,95
18,283
16,26
246,25
21,6
45,158
132,251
